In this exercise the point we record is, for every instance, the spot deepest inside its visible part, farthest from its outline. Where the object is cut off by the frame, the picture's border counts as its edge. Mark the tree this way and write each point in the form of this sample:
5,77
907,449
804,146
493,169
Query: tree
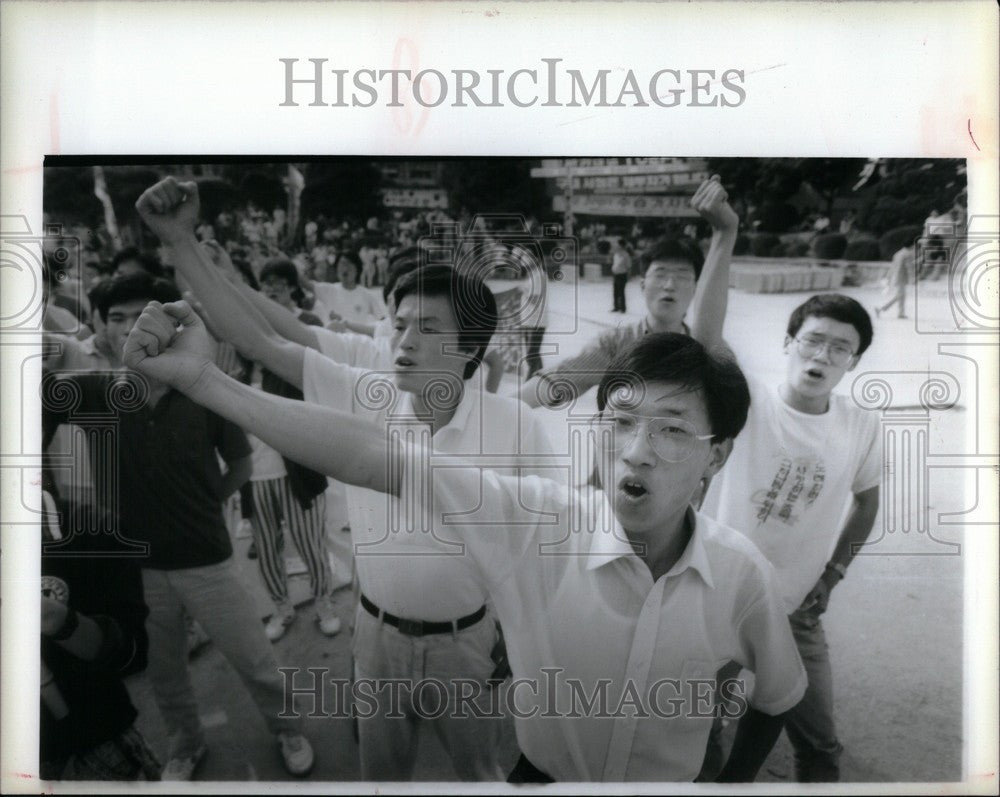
342,188
829,177
909,191
495,185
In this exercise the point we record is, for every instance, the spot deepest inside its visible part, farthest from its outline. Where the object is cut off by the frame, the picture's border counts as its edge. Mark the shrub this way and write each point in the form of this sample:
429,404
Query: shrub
742,245
830,246
897,238
776,216
796,249
764,244
864,247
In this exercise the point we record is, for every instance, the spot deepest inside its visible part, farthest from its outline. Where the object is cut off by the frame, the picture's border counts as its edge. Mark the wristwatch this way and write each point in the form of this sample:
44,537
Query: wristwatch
838,568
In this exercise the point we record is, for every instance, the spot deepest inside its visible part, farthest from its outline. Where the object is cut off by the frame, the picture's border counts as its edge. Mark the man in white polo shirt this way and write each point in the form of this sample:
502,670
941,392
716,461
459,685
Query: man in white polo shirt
423,611
633,593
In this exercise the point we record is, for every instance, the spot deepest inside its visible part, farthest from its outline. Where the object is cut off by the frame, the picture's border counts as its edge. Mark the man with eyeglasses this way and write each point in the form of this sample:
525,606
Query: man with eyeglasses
675,272
803,484
618,607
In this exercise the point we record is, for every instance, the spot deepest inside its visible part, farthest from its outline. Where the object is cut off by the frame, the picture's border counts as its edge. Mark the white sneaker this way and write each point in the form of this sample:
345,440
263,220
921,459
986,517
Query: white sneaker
183,768
244,530
326,616
297,753
279,622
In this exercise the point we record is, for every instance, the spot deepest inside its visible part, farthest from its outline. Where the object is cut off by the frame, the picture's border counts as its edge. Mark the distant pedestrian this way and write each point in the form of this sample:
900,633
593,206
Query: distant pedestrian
901,274
621,265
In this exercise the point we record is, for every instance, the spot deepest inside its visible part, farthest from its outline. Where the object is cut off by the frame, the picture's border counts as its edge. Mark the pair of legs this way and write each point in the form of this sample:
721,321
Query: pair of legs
618,291
810,726
216,598
388,744
899,298
272,502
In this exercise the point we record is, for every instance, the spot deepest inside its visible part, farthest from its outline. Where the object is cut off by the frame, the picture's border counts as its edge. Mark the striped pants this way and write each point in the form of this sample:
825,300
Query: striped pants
272,501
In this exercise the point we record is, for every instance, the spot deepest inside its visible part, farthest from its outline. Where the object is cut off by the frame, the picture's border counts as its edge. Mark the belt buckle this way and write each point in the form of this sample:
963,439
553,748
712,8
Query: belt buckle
410,627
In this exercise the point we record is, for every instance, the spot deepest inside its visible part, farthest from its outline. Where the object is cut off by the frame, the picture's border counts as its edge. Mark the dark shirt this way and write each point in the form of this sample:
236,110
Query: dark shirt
167,472
107,589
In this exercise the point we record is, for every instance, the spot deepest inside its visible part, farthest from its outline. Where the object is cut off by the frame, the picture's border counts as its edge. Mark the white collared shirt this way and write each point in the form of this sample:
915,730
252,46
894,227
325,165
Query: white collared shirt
405,567
580,607
360,351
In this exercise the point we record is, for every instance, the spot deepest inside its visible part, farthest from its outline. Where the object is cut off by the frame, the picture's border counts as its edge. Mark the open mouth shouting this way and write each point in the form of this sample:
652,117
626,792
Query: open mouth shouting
632,489
814,374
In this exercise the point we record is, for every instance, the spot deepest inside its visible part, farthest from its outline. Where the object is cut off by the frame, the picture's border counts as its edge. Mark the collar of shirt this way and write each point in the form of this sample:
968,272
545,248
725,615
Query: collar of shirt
607,548
459,419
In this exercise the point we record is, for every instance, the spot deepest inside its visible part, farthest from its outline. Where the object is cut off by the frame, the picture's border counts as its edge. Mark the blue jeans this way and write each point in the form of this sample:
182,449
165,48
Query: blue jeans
810,725
216,598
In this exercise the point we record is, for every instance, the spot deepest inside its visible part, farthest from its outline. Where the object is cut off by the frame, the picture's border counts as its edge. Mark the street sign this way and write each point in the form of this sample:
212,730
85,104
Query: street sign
425,198
634,183
611,205
604,167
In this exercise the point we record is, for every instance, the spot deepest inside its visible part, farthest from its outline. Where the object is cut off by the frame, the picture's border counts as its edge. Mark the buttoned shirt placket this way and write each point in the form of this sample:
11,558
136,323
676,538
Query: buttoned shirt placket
640,658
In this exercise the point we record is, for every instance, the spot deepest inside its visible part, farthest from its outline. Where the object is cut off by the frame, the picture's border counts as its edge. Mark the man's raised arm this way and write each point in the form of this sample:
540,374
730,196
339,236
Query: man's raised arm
169,343
171,211
711,298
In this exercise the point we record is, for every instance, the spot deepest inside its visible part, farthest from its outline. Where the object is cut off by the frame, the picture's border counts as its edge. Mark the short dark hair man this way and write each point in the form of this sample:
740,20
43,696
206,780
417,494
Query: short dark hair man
672,279
584,613
413,593
170,489
807,457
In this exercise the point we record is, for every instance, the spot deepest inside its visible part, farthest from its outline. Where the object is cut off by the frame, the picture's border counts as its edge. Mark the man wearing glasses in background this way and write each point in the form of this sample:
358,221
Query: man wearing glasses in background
806,459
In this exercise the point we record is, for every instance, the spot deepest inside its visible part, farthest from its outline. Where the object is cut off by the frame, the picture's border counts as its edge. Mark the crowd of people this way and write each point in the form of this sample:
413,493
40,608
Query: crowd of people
717,498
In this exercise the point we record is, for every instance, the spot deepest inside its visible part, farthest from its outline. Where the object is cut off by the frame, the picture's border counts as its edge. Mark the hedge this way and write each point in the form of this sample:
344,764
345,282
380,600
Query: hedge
830,246
863,249
897,238
764,244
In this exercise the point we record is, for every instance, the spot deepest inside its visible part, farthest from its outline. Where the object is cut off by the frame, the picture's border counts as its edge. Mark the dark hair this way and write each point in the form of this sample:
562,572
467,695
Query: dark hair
97,291
683,361
839,308
397,270
129,287
407,253
352,258
670,248
471,300
246,272
149,263
284,269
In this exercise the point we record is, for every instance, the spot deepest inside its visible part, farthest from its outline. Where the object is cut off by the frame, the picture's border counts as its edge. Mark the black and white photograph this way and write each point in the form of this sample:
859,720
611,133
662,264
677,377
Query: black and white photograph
401,467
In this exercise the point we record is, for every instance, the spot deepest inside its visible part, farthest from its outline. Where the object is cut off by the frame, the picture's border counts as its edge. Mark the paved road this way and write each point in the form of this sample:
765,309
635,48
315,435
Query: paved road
894,625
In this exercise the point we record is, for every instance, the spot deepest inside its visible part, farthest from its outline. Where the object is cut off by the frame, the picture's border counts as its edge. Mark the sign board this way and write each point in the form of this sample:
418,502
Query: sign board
604,167
635,183
427,198
611,205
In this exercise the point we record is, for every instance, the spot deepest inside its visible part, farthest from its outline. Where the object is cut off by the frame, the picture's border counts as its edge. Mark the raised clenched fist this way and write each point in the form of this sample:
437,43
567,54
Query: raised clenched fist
170,344
170,209
711,202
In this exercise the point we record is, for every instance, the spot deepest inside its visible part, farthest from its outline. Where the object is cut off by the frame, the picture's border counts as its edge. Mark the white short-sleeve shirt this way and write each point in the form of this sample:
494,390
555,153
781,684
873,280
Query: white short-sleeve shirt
360,351
404,566
358,304
583,619
789,481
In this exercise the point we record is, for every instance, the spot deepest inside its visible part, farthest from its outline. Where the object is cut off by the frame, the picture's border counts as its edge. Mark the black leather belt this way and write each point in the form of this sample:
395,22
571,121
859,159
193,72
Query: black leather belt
419,627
